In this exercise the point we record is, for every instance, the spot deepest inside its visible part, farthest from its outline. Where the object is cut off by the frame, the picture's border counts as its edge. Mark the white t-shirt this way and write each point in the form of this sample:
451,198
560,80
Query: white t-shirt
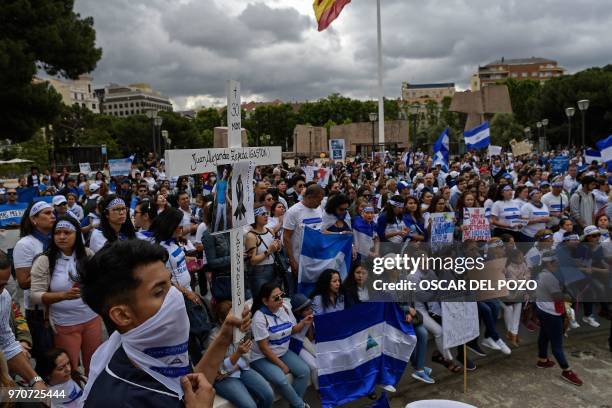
186,223
26,249
555,203
296,218
72,392
276,328
202,228
547,285
569,184
507,212
533,257
177,265
531,211
67,312
97,240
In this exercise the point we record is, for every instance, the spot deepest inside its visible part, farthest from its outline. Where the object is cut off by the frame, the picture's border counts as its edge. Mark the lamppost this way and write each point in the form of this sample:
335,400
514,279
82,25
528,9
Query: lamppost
583,105
527,132
373,118
539,126
414,110
157,122
544,126
310,137
569,112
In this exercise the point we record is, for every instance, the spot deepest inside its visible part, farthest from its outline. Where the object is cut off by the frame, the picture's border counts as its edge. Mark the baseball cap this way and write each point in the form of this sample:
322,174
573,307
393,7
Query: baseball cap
94,187
299,302
59,200
591,230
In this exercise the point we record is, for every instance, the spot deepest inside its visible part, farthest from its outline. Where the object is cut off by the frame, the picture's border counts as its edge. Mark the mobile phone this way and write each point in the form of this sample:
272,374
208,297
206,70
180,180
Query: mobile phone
247,336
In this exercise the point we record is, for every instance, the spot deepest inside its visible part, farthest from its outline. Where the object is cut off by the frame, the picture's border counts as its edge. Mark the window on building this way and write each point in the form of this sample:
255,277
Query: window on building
93,106
131,104
513,75
524,74
84,105
89,88
534,74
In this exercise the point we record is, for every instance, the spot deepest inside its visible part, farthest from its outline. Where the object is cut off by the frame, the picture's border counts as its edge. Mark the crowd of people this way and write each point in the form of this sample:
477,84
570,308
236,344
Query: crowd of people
127,293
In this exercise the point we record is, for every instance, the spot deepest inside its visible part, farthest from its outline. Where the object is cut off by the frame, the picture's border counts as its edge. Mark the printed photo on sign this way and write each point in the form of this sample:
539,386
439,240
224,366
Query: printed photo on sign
222,203
242,194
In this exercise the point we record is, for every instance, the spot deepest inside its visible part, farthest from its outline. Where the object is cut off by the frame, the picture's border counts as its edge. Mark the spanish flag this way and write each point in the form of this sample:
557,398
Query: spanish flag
327,11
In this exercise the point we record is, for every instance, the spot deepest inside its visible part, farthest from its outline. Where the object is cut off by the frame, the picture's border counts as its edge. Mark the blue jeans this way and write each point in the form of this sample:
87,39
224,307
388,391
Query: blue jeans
551,331
418,354
488,312
240,391
293,393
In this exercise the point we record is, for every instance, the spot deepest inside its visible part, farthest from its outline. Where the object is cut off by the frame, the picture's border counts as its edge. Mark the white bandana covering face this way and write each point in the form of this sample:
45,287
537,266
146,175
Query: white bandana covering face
158,346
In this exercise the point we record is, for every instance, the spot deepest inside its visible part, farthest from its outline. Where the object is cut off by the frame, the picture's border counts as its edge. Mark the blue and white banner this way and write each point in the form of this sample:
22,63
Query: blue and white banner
120,167
605,148
440,150
357,348
27,194
320,252
478,137
11,214
363,236
559,164
591,155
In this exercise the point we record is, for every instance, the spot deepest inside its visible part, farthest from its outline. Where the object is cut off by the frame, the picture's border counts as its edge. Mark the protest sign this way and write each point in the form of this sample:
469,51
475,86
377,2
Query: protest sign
120,167
494,150
85,168
322,175
521,148
242,194
559,164
460,323
337,149
477,224
27,194
11,214
442,228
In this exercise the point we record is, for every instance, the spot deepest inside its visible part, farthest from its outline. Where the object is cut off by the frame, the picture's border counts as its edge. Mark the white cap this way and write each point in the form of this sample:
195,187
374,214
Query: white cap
94,187
59,200
591,230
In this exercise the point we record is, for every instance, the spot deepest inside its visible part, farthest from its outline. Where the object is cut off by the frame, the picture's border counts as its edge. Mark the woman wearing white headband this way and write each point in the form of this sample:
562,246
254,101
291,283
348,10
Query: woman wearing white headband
390,226
35,237
114,223
537,215
77,329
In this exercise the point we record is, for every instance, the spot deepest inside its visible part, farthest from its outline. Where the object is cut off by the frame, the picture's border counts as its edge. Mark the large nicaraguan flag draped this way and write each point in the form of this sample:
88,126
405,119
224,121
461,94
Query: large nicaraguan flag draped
441,150
478,137
327,11
320,252
357,348
605,148
591,155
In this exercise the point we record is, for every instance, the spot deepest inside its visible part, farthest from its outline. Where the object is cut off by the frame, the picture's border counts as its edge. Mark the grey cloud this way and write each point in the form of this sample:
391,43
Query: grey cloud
190,48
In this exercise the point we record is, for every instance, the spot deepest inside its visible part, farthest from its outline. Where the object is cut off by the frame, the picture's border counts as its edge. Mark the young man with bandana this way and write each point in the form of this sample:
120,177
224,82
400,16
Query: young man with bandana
145,360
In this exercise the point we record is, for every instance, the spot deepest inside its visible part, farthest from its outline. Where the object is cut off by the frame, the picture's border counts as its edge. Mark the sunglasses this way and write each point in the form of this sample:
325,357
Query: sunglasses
11,193
278,297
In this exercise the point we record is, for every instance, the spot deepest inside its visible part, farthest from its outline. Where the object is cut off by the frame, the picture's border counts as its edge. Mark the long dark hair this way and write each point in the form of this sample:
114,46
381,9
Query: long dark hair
165,224
264,293
127,228
53,253
389,214
46,365
147,207
350,284
335,201
322,287
25,226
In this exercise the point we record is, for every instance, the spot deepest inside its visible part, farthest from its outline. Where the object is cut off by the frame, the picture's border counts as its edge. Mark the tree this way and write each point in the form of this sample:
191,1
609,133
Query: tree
504,128
39,35
525,97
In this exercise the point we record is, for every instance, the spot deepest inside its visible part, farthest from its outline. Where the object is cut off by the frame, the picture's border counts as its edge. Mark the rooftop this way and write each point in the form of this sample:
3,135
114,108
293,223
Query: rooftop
522,61
429,86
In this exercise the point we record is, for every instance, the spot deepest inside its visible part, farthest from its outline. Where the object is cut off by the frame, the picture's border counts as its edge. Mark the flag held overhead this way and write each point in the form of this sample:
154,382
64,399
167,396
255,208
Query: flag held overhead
327,11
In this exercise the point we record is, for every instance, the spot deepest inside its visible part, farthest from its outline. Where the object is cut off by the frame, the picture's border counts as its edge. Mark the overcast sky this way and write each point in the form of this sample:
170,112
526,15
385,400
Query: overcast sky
186,49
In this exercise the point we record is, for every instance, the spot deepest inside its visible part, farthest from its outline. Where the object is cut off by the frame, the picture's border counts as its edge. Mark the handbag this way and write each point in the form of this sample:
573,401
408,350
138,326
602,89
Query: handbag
221,287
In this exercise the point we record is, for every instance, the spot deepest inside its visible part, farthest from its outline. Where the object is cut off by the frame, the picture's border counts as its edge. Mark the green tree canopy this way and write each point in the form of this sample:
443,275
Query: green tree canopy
39,35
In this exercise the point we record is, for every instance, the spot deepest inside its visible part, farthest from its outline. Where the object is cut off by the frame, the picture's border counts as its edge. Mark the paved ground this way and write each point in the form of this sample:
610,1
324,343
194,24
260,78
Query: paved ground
514,381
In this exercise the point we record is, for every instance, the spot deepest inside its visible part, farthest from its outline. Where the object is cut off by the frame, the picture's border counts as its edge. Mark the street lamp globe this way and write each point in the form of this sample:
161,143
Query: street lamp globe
544,122
158,121
414,109
373,116
569,112
583,104
539,125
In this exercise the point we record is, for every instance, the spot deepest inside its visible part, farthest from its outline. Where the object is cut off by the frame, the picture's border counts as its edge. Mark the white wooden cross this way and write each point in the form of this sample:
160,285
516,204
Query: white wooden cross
197,161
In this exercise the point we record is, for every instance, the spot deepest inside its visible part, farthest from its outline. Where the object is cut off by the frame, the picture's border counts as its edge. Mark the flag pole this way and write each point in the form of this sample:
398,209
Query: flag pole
381,108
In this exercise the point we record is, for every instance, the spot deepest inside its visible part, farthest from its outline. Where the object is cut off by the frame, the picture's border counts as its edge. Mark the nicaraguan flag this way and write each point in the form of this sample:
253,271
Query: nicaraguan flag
478,137
605,149
441,150
363,236
357,348
591,155
320,252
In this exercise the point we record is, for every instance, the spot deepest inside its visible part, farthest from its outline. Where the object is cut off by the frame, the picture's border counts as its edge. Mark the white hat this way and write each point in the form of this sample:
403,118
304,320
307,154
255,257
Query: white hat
454,173
59,200
591,230
94,187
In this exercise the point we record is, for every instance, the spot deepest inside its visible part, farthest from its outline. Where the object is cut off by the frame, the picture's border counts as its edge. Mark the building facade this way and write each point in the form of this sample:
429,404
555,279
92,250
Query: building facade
423,93
135,99
539,69
76,92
